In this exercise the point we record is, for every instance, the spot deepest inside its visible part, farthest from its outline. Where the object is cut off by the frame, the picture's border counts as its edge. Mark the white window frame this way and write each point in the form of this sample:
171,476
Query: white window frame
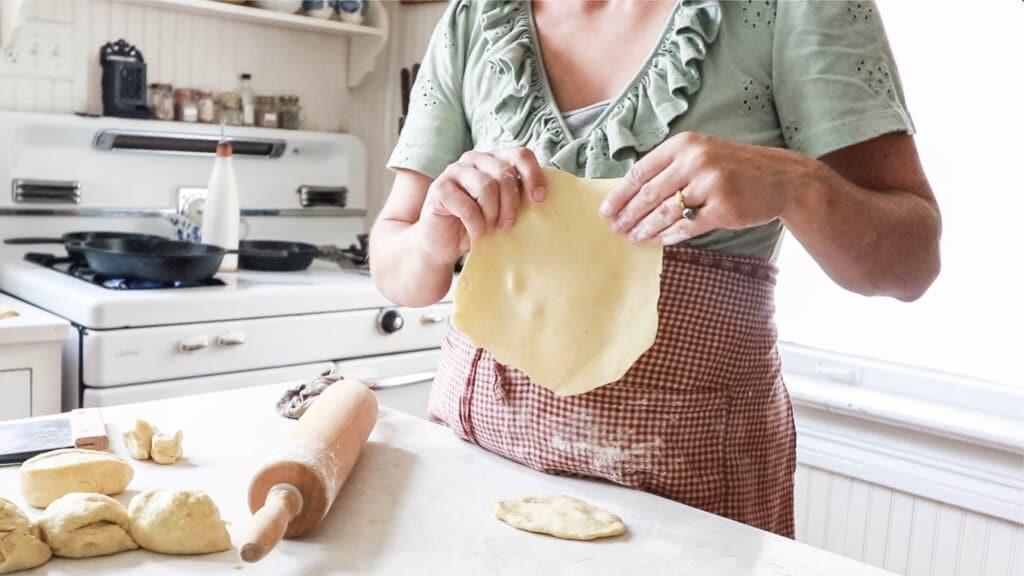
949,438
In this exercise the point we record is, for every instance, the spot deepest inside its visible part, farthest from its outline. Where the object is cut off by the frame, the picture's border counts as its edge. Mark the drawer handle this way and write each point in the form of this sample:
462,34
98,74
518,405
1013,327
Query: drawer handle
231,339
194,343
433,318
398,381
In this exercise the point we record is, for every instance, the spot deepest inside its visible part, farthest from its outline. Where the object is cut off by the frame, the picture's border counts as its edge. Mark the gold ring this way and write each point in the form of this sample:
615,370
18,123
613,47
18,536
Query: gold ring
687,213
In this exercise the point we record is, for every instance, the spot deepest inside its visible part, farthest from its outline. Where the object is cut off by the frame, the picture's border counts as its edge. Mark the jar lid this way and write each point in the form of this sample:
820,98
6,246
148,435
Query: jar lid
289,98
184,92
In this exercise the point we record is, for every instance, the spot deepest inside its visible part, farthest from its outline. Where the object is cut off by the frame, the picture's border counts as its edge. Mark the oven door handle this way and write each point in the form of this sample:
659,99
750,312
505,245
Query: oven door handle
398,381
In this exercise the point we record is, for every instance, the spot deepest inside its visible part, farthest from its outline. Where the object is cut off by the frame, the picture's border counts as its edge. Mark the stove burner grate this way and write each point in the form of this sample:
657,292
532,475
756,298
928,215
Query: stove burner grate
82,271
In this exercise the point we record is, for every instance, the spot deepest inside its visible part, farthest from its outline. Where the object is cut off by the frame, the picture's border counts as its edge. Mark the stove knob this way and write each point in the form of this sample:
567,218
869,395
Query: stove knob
390,321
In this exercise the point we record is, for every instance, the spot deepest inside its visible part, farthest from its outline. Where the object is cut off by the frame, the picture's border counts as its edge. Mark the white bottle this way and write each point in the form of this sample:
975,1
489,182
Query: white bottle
248,101
220,209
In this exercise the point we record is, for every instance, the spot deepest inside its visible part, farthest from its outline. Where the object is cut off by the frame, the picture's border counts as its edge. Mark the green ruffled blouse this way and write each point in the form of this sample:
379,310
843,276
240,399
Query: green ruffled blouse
814,76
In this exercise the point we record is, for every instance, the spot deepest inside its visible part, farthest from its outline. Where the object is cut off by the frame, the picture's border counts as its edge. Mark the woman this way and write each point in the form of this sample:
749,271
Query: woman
754,116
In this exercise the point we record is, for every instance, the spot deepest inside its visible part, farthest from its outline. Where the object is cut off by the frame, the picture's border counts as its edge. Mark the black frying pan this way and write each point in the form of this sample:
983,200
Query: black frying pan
72,241
299,255
158,259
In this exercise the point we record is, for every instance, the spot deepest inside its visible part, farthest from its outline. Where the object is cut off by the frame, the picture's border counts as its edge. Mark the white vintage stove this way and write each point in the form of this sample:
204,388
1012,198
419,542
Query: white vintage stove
139,342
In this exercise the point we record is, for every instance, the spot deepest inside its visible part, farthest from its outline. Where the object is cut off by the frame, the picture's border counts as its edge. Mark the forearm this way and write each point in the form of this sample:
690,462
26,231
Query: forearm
870,242
401,268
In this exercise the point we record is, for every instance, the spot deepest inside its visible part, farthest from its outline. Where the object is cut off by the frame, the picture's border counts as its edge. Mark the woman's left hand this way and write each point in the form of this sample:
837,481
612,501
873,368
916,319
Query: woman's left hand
728,185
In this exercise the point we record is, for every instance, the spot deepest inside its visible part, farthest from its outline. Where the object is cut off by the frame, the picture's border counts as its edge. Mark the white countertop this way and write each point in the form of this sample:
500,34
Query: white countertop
30,325
419,502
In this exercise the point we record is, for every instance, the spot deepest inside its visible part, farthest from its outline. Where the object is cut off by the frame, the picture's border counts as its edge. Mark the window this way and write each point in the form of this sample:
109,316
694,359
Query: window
965,91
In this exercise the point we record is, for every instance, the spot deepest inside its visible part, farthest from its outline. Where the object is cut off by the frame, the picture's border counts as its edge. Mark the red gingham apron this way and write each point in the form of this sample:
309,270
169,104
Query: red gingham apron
702,417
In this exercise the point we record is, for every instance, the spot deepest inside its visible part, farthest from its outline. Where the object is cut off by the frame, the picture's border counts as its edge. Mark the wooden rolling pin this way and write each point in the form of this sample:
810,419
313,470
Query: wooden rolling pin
293,491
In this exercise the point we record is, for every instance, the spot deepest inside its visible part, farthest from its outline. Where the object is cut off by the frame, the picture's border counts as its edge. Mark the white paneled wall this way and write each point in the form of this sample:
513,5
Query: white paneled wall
195,51
900,532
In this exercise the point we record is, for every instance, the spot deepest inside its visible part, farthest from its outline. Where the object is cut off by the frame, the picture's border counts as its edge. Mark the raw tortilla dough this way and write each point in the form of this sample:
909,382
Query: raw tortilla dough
560,296
166,449
50,475
177,522
84,525
560,516
137,439
21,544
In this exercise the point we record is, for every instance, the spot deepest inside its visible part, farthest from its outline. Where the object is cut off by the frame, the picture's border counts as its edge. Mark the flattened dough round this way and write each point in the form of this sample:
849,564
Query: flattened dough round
50,475
559,296
21,545
560,516
84,525
177,522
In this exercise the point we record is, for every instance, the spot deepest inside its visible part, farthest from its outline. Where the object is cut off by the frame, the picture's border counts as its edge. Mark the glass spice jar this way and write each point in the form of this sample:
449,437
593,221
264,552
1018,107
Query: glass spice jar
289,114
266,111
229,108
206,106
161,101
186,107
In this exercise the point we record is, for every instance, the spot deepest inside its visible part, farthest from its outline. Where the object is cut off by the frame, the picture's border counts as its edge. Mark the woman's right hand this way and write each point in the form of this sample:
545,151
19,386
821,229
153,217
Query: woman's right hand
474,196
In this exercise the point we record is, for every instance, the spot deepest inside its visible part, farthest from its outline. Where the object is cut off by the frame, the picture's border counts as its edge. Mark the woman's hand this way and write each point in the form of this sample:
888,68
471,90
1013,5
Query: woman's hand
475,196
728,185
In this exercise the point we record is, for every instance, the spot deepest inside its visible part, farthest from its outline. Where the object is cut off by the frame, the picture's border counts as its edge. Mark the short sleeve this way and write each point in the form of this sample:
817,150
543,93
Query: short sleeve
436,132
834,80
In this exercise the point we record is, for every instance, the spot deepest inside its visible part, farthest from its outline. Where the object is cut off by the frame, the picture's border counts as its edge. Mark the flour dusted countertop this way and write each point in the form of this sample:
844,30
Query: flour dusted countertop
419,502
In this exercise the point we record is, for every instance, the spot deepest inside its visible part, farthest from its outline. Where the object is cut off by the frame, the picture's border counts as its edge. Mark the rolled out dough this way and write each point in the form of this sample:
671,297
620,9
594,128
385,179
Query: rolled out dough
560,296
560,516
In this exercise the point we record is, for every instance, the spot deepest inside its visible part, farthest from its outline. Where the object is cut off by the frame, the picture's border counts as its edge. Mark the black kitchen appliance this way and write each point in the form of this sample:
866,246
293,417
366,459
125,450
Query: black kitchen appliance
124,81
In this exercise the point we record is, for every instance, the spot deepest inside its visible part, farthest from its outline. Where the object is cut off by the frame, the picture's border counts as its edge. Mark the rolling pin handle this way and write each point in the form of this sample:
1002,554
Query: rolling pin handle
282,505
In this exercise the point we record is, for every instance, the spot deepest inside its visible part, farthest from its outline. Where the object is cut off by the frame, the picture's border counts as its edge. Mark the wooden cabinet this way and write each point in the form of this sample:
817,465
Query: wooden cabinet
31,342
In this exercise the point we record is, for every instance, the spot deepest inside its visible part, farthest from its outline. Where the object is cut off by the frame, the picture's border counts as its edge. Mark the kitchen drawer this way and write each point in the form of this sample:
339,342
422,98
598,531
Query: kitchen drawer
16,392
132,356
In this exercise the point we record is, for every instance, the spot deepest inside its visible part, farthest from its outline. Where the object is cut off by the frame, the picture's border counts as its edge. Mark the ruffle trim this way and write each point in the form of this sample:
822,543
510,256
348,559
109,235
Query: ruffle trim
639,119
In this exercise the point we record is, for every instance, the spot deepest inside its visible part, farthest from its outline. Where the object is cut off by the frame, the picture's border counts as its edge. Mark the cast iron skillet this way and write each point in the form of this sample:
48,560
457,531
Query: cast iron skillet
299,255
159,259
72,241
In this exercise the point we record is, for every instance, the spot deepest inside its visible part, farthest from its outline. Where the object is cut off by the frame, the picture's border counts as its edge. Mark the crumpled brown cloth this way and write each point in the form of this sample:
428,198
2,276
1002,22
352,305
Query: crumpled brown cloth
298,399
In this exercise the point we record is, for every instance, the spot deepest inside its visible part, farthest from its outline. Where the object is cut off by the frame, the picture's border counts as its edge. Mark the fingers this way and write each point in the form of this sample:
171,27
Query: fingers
482,188
642,172
652,208
453,200
504,173
664,215
703,221
530,174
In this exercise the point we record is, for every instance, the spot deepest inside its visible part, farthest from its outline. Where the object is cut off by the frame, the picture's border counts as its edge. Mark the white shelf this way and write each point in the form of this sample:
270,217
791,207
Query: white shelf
365,41
244,13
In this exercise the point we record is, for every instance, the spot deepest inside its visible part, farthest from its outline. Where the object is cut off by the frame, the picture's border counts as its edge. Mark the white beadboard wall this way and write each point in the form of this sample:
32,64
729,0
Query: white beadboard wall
186,50
900,532
209,52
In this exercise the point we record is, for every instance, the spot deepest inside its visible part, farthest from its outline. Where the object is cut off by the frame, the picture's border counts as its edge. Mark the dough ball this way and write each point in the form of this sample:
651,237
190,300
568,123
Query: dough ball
166,449
138,437
560,516
83,525
177,522
50,475
21,546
